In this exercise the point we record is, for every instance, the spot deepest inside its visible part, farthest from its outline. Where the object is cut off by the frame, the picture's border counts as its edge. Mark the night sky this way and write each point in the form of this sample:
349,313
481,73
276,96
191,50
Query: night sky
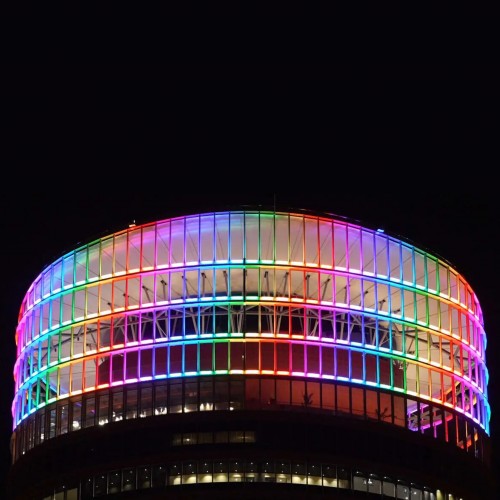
91,150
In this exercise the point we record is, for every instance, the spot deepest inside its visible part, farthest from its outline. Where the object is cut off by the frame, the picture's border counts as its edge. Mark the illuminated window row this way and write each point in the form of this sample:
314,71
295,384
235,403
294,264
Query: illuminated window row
252,393
239,471
248,284
252,237
326,475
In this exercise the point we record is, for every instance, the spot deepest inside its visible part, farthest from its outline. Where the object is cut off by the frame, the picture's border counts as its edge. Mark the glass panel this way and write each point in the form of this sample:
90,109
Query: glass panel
298,358
443,280
282,356
160,357
369,295
251,237
237,391
117,409
148,247
312,286
131,403
190,358
311,242
267,356
62,419
340,246
100,485
312,396
282,239
221,395
206,357
252,356
191,397
445,317
268,392
407,263
357,397
388,488
146,363
114,481
283,392
161,402
57,276
159,476
133,293
177,242
409,305
175,359
117,365
174,474
326,243
420,277
220,472
313,359
89,420
354,243
175,399
129,480
106,258
296,240
72,494
382,264
207,239
431,274
359,483
77,415
90,374
221,356
396,301
38,290
416,494
252,393
266,238
395,260
368,252
192,240
222,237
237,356
146,401
403,492
103,416
299,473
81,266
143,477
341,291
342,362
120,254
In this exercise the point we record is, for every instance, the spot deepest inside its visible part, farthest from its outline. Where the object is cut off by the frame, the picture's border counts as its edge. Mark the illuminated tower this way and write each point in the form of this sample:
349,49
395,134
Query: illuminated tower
250,353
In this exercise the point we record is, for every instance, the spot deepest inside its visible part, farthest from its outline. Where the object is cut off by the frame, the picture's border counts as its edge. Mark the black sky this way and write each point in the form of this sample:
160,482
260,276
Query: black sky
91,149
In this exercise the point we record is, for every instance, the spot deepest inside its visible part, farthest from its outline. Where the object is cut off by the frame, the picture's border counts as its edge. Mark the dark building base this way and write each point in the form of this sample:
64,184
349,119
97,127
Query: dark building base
355,448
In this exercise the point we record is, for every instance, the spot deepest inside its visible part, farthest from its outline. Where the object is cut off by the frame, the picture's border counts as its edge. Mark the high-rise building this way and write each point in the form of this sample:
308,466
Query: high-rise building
246,354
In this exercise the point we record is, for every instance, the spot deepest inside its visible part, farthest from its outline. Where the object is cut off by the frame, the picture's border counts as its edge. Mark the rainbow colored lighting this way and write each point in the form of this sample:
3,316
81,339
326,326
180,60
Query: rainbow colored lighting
249,292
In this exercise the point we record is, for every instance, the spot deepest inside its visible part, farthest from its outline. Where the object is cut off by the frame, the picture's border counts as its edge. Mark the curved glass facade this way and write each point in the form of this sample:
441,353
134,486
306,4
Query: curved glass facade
257,295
